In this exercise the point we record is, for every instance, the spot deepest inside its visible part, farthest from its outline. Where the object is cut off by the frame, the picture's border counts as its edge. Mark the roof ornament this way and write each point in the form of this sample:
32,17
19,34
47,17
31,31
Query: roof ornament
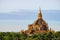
39,14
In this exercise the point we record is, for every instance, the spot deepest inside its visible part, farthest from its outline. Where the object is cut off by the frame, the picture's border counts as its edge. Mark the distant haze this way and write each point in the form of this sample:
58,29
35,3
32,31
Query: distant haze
16,21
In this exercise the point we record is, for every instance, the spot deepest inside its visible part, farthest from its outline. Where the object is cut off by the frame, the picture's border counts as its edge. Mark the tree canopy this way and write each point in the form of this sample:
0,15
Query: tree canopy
23,36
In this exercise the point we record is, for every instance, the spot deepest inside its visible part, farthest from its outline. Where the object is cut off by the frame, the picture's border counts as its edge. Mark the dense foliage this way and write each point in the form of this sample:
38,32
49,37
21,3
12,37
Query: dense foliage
23,36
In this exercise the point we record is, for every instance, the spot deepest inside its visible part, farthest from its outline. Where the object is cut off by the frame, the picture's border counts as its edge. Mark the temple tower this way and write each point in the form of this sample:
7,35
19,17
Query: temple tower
39,26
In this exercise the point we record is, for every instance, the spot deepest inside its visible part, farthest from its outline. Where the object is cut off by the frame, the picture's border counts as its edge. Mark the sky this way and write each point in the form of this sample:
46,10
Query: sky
15,15
14,5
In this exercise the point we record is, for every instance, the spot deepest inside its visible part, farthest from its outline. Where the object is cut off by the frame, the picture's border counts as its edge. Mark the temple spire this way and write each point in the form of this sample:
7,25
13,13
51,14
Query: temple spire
39,14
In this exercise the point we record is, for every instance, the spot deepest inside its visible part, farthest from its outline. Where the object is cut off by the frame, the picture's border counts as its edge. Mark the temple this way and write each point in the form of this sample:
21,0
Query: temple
39,26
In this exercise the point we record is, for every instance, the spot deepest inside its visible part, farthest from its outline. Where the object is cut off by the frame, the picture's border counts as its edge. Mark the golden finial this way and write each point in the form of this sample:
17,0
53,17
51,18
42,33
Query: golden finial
39,14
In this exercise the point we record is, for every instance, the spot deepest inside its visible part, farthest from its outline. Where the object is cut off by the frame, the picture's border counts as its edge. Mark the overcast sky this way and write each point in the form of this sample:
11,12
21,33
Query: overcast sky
17,14
14,5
